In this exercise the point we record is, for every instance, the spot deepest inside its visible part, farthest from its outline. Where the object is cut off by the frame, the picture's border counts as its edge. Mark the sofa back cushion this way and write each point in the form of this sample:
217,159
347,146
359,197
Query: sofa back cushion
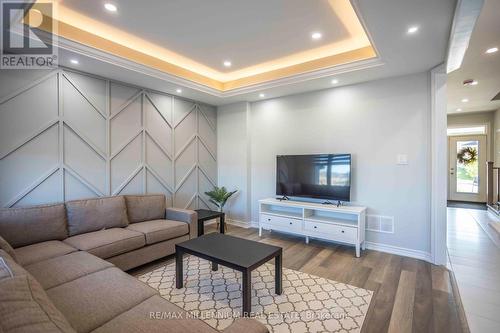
26,226
24,305
146,207
96,214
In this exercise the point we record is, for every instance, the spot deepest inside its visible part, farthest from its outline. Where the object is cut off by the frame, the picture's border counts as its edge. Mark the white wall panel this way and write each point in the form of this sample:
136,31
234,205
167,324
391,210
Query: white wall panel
22,169
27,114
66,135
125,124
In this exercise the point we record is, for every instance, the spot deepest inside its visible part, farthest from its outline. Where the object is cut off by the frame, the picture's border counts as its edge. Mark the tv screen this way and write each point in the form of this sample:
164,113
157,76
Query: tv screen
322,176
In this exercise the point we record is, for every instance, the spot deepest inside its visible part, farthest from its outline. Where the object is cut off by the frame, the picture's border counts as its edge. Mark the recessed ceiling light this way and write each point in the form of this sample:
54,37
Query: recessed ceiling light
459,109
465,100
492,50
179,91
412,30
316,35
262,95
335,81
74,61
110,7
227,63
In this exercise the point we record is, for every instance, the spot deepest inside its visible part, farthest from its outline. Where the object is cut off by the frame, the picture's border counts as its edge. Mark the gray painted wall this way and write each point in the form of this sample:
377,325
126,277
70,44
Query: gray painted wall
234,158
375,121
477,118
66,135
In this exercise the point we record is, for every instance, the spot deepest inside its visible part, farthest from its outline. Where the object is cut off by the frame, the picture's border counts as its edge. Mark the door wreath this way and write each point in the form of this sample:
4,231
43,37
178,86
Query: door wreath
467,155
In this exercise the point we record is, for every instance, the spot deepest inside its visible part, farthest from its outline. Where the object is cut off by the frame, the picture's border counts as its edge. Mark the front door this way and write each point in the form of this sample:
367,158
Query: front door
467,168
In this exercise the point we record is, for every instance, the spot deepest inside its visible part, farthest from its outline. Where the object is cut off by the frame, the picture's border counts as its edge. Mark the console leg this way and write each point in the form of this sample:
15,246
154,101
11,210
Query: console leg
260,231
358,250
307,239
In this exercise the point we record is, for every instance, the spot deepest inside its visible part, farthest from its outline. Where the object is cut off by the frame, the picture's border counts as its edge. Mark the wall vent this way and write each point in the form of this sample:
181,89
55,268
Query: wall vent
380,223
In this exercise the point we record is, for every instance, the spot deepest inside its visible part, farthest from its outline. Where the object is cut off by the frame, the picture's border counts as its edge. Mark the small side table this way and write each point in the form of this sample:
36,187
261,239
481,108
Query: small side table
206,215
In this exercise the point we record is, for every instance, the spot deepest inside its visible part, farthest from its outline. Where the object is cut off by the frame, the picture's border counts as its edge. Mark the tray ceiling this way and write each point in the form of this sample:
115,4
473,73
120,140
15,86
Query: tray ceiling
191,39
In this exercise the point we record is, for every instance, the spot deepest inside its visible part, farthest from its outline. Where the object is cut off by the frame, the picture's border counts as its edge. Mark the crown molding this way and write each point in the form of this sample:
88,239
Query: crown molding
93,53
302,77
98,55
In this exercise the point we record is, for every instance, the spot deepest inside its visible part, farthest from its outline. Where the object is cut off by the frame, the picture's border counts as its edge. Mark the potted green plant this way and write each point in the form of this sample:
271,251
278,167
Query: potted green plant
218,196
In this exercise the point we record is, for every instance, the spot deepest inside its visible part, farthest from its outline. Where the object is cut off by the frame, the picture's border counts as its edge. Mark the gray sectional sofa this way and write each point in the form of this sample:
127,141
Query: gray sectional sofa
62,267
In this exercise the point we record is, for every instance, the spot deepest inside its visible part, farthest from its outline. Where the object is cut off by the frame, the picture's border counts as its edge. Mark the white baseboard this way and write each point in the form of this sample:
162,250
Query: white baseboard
237,223
493,215
400,251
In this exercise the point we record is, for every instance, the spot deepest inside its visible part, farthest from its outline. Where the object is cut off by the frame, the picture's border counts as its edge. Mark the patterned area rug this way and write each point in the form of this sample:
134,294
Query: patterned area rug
308,304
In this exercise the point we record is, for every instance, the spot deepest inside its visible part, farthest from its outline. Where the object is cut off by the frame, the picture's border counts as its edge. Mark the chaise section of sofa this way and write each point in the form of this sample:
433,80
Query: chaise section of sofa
24,304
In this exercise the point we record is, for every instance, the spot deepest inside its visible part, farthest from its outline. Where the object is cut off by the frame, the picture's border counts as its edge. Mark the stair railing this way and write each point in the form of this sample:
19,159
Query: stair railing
492,174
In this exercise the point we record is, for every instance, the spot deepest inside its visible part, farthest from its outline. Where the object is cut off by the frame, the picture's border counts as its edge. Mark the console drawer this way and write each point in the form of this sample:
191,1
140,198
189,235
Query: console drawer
333,231
281,223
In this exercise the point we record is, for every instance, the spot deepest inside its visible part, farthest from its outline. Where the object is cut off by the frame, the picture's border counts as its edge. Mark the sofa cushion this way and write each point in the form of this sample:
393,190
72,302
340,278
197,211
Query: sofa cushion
4,245
108,243
30,254
96,214
56,271
94,299
160,230
145,207
30,225
147,317
24,305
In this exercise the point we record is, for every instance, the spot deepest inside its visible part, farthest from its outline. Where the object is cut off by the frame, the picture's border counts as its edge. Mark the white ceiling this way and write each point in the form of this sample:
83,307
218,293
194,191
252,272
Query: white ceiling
210,32
386,22
485,68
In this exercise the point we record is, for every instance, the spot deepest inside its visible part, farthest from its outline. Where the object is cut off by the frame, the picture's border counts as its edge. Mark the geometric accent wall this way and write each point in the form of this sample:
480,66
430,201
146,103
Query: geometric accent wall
68,135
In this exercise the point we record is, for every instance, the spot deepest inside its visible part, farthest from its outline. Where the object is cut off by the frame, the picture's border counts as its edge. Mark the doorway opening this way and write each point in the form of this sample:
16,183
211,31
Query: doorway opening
467,156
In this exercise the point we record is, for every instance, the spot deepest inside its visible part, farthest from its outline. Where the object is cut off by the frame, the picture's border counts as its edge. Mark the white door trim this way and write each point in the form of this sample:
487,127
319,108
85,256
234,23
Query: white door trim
439,165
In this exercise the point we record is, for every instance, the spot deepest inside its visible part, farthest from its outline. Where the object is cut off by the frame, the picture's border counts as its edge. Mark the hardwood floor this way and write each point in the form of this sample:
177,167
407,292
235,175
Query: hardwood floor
410,295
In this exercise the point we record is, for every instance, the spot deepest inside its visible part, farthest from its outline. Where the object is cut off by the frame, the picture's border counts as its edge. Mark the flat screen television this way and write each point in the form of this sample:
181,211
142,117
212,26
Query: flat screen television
322,176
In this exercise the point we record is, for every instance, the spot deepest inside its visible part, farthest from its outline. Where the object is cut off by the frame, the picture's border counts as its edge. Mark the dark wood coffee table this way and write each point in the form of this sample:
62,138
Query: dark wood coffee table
206,215
237,253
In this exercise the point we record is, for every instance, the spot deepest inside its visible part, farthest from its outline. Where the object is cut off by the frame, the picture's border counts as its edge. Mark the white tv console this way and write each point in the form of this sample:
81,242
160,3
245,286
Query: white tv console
345,224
